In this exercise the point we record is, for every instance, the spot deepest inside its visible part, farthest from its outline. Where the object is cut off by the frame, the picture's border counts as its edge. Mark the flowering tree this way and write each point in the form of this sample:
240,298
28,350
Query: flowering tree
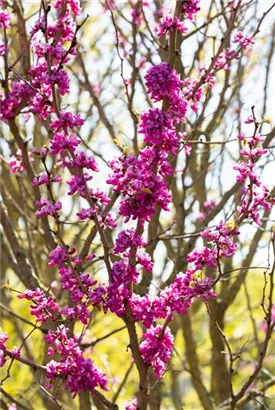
134,199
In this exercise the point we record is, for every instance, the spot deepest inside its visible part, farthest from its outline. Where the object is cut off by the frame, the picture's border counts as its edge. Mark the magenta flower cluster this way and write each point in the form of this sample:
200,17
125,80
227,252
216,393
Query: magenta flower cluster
141,187
190,8
47,207
3,339
16,162
4,353
128,239
4,19
161,81
171,23
207,207
256,195
43,79
43,308
156,348
78,372
80,286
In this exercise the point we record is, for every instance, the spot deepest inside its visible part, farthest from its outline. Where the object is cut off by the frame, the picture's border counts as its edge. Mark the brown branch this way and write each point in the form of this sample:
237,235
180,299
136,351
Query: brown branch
143,394
36,366
27,274
122,384
94,342
43,330
193,362
263,349
13,400
254,393
230,293
25,156
95,99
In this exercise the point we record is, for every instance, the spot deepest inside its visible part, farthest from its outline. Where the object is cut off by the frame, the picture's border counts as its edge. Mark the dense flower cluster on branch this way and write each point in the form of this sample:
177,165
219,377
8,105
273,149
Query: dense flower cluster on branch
78,372
256,195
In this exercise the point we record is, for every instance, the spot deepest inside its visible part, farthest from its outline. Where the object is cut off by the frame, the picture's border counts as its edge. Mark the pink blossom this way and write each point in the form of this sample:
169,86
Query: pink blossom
156,348
144,259
174,298
15,352
4,19
136,12
47,207
2,358
190,8
155,125
243,41
249,119
60,142
209,78
178,106
77,183
73,5
141,188
79,286
87,213
61,78
44,308
97,295
78,373
16,165
43,179
241,136
201,257
132,405
99,196
116,298
16,162
107,221
207,207
81,160
141,181
123,272
3,338
158,129
170,23
65,121
194,96
58,256
161,80
257,196
127,239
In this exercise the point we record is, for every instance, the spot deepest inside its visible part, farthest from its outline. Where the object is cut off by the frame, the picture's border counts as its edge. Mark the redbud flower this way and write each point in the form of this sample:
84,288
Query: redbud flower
161,80
60,142
47,207
4,19
79,373
44,308
190,8
170,23
73,5
66,120
156,348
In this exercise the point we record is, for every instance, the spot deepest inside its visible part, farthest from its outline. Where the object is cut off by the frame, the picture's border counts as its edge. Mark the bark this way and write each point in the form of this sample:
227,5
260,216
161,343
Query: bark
194,364
220,376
